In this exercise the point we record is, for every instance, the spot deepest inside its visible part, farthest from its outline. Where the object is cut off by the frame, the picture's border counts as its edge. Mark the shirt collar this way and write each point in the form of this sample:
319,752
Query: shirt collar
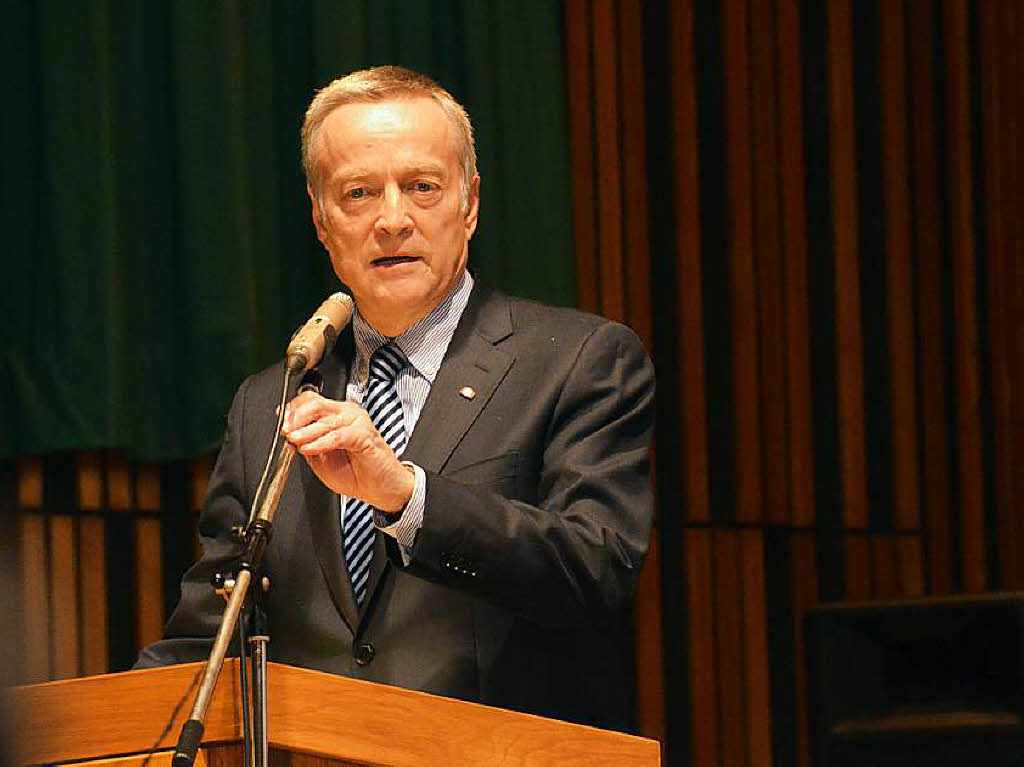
425,343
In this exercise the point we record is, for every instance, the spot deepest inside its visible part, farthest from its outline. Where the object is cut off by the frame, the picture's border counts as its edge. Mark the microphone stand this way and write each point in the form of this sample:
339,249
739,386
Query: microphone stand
257,536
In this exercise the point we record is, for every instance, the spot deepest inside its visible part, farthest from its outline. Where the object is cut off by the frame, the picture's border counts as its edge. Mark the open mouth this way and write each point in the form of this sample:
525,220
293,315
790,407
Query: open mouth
394,260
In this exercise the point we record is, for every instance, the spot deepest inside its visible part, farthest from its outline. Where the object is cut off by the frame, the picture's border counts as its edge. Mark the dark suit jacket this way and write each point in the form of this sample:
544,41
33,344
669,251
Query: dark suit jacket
537,517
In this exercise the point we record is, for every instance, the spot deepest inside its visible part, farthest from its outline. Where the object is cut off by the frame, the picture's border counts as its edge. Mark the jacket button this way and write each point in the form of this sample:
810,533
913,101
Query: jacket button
364,654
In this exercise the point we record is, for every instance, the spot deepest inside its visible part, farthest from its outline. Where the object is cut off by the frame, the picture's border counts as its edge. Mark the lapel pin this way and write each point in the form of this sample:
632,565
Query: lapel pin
468,392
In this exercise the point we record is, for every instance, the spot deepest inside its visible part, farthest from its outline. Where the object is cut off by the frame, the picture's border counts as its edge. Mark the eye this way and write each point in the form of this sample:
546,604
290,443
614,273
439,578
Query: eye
423,187
356,194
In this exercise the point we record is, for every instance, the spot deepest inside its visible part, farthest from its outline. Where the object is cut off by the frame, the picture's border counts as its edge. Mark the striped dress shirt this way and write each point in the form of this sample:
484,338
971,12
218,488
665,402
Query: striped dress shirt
424,344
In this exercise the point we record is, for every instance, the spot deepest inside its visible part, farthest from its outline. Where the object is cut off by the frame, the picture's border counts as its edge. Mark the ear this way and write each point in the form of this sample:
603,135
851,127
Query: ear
318,219
473,206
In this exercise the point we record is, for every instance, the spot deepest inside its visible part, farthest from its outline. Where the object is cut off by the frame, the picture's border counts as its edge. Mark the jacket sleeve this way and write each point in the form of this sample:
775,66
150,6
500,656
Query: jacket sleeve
574,556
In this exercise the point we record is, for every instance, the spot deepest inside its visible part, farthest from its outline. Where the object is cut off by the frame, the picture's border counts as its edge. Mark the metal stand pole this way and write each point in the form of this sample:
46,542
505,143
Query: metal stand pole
257,537
258,655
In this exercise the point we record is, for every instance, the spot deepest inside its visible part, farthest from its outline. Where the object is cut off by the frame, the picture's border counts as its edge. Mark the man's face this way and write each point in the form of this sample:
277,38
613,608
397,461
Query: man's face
392,216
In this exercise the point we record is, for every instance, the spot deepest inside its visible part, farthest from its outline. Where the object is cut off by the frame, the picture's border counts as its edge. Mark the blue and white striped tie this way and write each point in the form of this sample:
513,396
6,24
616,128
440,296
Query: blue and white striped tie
385,410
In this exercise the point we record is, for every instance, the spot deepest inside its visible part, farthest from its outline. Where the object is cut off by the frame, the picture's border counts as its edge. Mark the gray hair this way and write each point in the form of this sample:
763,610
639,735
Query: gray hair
377,84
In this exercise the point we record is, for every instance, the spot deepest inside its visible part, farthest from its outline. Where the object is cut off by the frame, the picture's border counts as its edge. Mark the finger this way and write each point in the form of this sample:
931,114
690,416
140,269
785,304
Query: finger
321,426
351,438
290,420
309,407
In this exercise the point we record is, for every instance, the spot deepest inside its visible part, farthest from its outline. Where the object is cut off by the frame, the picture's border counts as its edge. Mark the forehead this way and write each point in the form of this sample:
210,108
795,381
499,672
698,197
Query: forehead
400,129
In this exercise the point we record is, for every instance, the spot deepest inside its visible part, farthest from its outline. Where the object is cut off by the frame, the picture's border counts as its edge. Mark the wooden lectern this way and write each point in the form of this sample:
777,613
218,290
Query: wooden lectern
314,719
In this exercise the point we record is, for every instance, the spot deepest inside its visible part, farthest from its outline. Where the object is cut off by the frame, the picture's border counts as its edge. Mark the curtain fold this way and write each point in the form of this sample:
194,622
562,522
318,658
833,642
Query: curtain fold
155,229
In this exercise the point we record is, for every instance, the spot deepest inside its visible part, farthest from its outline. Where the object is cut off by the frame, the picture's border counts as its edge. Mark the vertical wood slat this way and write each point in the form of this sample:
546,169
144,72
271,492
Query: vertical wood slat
637,275
648,642
803,595
757,681
965,312
857,568
704,693
148,563
911,556
899,286
579,91
845,217
741,245
885,567
1013,296
93,563
690,338
33,565
609,161
794,234
993,116
63,572
1012,411
729,667
764,130
1000,72
931,330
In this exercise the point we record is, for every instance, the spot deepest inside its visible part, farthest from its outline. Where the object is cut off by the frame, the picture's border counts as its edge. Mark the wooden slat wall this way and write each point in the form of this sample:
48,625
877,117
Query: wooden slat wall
1002,115
605,69
834,229
811,213
74,572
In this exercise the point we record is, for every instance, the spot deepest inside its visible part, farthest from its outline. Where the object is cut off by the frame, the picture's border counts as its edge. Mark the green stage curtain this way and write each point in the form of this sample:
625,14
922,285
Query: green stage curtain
156,236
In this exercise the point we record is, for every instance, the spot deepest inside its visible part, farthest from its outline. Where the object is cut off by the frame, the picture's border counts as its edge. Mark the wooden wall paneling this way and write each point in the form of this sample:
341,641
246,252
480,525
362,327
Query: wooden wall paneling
757,678
849,352
33,566
649,660
1000,158
705,745
120,483
148,565
729,641
899,284
690,336
747,465
1013,294
799,398
965,310
911,556
931,332
62,542
768,289
857,568
803,595
637,273
604,49
579,89
92,574
885,567
63,587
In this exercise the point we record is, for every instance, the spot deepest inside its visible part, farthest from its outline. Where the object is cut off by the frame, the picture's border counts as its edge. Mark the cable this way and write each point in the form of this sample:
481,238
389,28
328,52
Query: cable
273,448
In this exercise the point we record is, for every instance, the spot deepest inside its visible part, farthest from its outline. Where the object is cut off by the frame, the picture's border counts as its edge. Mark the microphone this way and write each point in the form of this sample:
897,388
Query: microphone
317,336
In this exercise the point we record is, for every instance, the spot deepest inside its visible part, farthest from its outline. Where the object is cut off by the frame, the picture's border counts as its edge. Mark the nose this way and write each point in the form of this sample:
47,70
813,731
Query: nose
393,218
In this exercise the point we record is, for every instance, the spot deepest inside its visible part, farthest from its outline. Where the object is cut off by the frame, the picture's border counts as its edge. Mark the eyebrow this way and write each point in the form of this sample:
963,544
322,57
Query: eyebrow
358,174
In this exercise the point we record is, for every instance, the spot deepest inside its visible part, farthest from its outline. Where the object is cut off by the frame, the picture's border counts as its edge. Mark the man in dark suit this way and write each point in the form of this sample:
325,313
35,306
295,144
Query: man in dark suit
500,461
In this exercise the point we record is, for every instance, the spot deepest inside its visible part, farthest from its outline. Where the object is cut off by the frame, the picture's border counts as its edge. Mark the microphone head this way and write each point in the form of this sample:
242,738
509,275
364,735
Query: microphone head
317,336
341,307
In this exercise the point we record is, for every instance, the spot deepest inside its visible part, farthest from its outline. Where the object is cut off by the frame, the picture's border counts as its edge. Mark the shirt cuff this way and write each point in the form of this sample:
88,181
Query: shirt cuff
410,519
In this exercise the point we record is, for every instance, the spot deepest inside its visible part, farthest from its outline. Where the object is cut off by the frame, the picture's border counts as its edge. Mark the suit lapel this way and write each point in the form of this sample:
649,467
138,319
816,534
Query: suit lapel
322,504
473,360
